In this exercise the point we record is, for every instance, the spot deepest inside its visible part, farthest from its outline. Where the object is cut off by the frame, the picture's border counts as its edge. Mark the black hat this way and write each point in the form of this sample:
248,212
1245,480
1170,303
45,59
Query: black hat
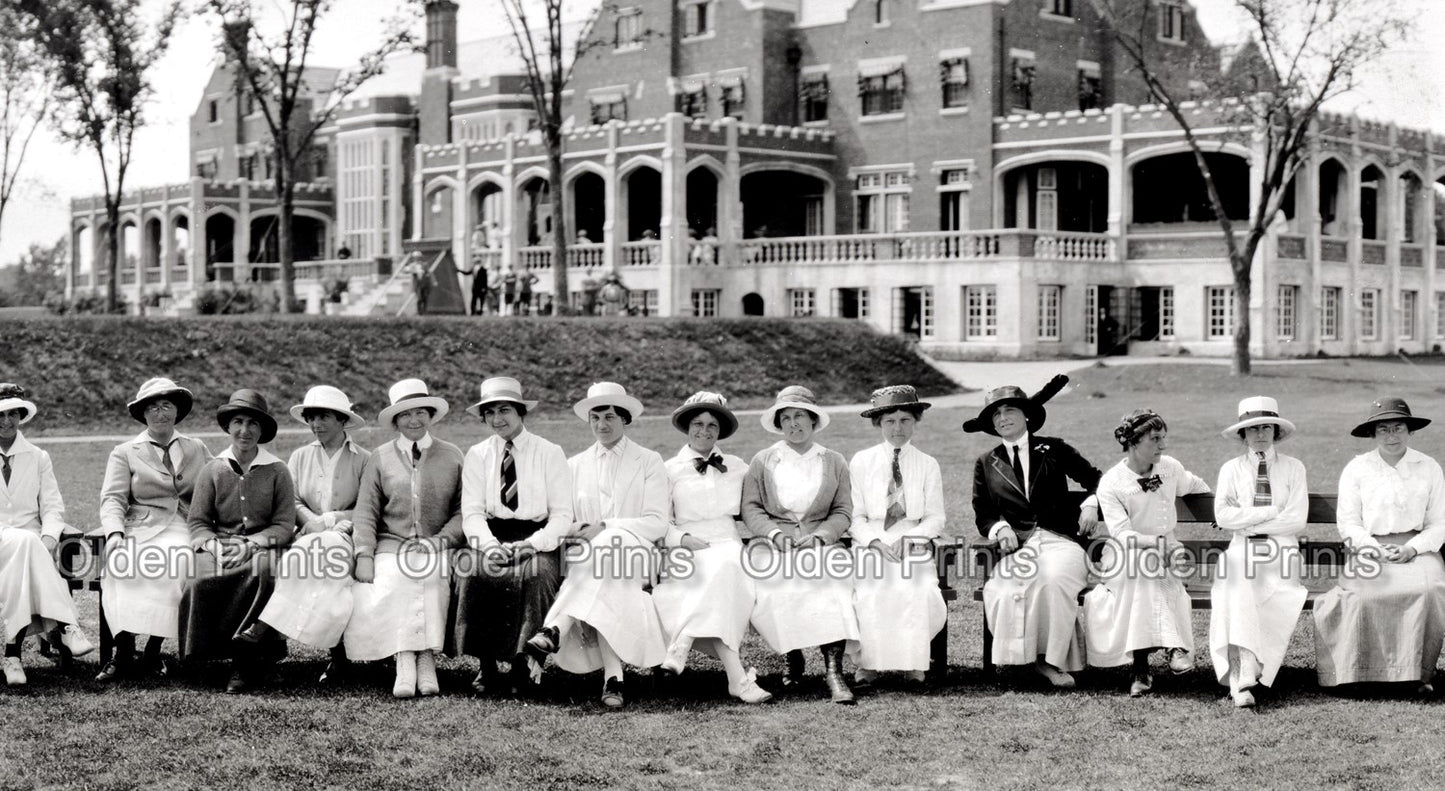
248,402
1012,395
1392,408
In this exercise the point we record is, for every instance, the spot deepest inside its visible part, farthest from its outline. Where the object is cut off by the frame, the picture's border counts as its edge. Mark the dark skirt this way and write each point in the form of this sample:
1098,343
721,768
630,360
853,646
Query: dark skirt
219,603
494,610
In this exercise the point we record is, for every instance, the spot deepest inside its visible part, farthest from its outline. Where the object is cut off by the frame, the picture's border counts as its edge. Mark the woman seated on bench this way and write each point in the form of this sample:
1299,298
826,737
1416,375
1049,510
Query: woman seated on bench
1142,604
1385,620
1257,594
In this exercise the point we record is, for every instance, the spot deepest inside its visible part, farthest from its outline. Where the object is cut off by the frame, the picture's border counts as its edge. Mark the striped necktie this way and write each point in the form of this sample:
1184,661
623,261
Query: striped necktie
1262,493
509,478
896,508
5,467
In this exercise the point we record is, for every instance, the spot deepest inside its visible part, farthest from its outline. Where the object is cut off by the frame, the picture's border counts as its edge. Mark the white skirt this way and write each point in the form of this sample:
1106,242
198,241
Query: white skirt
899,610
1255,601
1139,605
604,595
404,609
715,600
313,601
1032,603
800,603
31,588
134,597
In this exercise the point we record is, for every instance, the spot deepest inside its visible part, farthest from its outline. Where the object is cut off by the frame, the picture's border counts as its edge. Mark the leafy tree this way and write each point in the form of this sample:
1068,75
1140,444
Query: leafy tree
38,273
25,89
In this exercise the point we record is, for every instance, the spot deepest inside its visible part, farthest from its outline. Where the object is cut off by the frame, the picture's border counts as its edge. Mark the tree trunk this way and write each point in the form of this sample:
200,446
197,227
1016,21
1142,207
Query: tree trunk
560,293
1241,364
112,254
286,191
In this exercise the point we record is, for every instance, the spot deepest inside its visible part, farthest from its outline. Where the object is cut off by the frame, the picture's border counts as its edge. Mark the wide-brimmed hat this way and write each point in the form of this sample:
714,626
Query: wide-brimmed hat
1008,395
160,387
607,394
1392,408
893,397
411,394
794,396
248,402
12,396
1259,411
703,401
501,388
329,398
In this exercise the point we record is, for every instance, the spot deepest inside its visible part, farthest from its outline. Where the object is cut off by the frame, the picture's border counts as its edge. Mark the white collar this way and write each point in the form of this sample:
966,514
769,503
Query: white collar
617,448
687,452
346,445
1022,442
20,445
263,457
405,444
518,441
816,450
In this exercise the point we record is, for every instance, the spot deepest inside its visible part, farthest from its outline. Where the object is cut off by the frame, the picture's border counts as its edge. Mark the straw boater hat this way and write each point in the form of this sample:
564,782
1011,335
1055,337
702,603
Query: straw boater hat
160,387
1393,408
607,394
501,388
1011,395
411,394
329,398
12,396
893,397
703,401
1259,411
795,396
248,402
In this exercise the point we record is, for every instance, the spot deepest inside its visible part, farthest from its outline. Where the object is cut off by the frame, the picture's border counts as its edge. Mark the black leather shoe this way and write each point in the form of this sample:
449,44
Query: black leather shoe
797,664
543,643
256,633
237,683
335,672
109,673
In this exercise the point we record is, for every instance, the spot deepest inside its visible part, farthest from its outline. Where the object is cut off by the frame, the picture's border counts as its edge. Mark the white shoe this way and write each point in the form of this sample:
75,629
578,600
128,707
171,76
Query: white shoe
405,686
426,674
1243,699
1141,685
14,673
75,641
1056,677
1180,661
749,691
676,659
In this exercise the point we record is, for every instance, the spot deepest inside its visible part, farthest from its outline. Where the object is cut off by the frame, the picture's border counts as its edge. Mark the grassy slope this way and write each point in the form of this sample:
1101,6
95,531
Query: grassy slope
971,732
83,370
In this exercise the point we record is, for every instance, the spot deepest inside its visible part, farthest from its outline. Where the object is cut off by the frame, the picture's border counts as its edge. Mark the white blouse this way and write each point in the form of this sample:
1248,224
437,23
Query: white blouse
797,477
1234,507
1130,512
1377,499
871,471
704,504
544,489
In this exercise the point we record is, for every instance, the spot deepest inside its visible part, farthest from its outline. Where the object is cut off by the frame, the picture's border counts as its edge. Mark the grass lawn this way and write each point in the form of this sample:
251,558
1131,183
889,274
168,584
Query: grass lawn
970,732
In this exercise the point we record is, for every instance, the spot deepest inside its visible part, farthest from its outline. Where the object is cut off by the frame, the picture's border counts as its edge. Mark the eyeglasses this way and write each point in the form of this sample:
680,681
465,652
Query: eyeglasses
156,407
1385,430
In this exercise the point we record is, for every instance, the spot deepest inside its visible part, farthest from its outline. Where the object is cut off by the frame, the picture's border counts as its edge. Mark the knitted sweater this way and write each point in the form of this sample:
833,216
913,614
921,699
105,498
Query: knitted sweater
398,501
260,504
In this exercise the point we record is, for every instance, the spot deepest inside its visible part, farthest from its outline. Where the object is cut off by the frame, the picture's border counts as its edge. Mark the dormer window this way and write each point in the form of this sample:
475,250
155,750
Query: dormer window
627,32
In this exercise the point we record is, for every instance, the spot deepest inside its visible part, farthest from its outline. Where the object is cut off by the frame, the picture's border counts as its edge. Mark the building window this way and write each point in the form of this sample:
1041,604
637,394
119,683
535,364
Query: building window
732,99
1439,314
801,302
694,102
1409,314
1370,314
1091,86
980,306
953,73
608,108
850,303
696,19
1166,313
642,301
320,161
247,166
628,28
1171,21
1330,313
213,110
953,190
1021,81
813,95
1059,8
882,202
704,302
1284,313
1046,204
913,311
1050,298
882,93
357,161
1091,315
206,169
880,12
1220,301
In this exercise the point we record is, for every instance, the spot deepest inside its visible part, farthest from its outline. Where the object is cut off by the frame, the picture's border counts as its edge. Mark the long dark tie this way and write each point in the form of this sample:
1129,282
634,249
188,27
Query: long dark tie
509,478
166,458
896,507
5,467
415,454
1019,470
1262,493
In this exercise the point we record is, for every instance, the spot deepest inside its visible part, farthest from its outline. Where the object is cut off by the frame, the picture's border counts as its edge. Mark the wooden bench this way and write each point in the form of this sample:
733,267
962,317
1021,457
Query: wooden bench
1315,556
79,564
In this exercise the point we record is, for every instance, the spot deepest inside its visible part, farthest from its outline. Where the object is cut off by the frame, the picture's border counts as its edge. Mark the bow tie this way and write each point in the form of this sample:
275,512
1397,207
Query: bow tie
1150,484
715,460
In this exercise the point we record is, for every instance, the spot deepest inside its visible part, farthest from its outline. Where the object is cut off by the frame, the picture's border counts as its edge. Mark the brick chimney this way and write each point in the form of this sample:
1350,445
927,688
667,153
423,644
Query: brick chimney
235,37
441,34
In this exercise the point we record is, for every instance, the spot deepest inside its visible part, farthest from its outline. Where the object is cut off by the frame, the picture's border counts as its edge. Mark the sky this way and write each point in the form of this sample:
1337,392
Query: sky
1407,86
